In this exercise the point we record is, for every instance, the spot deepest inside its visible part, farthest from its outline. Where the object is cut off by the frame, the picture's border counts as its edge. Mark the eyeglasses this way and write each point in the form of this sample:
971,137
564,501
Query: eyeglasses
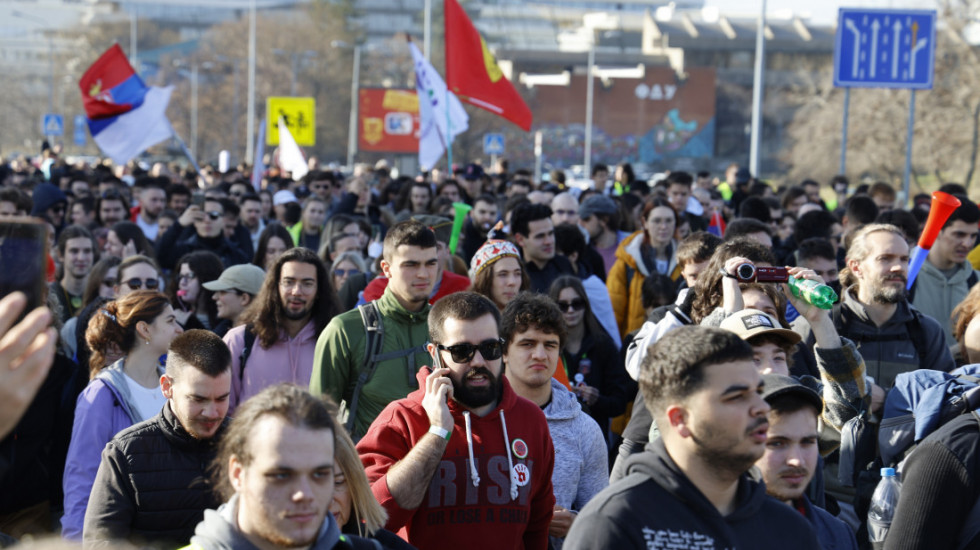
186,277
214,214
575,305
463,353
345,272
306,285
109,282
58,209
136,284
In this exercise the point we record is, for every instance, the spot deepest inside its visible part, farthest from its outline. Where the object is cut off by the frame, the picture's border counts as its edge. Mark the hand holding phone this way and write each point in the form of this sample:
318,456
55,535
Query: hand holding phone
438,390
26,354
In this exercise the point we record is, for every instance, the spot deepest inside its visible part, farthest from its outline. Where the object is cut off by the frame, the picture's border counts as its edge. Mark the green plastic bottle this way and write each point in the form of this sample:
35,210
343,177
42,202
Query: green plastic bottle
812,292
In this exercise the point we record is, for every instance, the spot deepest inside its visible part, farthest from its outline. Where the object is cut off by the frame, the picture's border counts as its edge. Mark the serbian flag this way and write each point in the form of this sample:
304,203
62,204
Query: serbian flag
125,116
472,72
717,225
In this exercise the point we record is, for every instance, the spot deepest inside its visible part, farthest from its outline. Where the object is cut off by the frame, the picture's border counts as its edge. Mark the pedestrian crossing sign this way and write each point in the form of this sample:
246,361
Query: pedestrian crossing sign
53,125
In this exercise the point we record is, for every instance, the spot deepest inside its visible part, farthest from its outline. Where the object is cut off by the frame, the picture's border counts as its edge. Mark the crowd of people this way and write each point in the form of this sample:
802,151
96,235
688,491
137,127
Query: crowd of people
477,359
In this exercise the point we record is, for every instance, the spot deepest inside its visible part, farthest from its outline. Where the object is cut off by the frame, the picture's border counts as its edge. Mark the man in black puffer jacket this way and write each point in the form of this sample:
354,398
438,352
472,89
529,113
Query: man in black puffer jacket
152,487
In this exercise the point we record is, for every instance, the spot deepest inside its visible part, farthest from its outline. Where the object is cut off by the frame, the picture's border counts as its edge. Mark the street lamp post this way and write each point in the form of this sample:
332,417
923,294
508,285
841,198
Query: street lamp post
249,142
42,22
355,82
354,101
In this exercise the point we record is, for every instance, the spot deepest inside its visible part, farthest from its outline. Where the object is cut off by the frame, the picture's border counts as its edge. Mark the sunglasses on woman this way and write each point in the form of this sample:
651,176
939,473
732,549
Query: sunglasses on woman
345,272
463,353
136,284
575,305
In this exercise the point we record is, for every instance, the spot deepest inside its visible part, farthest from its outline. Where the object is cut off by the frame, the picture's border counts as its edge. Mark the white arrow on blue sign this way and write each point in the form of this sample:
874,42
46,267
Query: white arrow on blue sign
493,144
53,125
885,48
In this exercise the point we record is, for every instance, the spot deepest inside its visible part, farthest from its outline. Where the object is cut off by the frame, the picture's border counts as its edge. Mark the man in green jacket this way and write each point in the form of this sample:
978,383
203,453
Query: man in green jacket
365,379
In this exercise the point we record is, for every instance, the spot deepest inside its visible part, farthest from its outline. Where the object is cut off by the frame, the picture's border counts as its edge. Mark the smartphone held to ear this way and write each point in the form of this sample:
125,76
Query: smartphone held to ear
24,260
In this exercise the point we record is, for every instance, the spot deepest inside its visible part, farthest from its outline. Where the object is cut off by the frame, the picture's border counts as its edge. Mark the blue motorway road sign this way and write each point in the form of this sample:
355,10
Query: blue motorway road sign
80,130
53,125
885,48
493,144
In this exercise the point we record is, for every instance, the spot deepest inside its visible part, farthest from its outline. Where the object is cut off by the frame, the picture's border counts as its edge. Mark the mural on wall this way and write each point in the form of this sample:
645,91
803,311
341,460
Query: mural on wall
647,120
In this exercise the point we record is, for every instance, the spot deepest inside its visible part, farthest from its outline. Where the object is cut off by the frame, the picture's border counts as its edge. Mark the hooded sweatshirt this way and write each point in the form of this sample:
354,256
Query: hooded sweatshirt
219,531
657,506
581,458
45,196
492,488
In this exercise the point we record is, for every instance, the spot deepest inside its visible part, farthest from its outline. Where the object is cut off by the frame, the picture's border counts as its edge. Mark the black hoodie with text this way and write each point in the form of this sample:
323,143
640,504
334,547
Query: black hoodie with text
657,507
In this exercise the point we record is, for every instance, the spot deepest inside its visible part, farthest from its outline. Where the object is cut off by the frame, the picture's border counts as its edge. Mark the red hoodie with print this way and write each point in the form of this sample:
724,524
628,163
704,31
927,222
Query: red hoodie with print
512,450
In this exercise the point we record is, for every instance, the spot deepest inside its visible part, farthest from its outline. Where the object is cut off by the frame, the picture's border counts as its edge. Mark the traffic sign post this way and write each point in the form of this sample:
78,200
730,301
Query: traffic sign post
299,113
885,49
53,125
493,145
80,130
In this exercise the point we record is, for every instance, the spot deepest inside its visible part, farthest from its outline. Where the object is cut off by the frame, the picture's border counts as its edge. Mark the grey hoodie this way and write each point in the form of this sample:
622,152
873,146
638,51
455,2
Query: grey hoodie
581,457
219,531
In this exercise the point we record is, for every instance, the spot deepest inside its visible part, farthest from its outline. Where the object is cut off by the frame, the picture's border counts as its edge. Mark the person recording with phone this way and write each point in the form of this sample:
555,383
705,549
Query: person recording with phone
200,227
491,448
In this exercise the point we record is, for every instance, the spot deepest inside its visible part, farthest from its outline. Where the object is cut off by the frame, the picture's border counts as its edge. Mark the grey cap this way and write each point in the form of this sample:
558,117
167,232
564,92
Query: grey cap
243,277
597,204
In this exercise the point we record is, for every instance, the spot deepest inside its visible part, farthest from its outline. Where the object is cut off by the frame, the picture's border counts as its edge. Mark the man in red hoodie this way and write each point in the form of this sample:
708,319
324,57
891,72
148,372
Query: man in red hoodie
464,461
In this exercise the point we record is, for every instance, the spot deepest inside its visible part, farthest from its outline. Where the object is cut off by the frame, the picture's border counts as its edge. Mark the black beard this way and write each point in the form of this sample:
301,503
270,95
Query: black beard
477,397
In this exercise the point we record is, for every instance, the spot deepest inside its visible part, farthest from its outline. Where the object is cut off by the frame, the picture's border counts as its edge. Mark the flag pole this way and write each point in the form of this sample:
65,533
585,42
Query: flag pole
449,138
187,153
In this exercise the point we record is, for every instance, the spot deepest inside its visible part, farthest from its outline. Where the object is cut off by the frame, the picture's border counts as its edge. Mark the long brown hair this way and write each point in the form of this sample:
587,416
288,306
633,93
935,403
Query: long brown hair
265,313
707,291
115,324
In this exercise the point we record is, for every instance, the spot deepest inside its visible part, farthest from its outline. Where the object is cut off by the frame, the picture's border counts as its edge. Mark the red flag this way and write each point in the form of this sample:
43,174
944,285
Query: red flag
472,72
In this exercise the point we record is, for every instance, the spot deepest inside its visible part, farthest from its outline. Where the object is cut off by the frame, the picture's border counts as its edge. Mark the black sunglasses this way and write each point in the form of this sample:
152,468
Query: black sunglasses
214,214
463,353
575,305
136,284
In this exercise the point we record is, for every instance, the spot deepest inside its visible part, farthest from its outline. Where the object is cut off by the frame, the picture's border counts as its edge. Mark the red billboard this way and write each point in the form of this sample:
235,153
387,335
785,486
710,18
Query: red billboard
388,120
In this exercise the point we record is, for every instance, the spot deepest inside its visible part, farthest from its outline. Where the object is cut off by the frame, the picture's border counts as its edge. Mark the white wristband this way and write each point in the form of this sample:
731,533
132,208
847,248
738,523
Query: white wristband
441,432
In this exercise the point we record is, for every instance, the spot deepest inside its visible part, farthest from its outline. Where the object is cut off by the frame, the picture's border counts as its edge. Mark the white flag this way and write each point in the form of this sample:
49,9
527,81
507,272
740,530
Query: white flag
440,125
291,158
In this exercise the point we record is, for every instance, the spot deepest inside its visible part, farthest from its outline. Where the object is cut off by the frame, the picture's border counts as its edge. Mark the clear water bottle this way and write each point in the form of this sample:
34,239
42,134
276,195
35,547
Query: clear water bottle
813,292
883,505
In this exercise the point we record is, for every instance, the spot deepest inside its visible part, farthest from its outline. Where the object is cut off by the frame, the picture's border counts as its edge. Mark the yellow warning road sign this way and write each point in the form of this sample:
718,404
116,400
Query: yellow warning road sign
299,114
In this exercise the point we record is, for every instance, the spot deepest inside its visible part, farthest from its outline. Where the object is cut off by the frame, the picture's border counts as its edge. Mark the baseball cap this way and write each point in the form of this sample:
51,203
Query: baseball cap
742,175
776,385
473,172
441,226
244,277
749,323
284,197
597,204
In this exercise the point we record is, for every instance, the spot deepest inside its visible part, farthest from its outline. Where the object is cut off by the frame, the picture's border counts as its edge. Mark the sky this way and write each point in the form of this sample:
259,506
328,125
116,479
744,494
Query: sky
822,12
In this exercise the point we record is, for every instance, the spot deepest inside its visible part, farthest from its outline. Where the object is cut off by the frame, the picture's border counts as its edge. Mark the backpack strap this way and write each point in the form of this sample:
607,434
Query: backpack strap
246,351
971,527
373,339
916,334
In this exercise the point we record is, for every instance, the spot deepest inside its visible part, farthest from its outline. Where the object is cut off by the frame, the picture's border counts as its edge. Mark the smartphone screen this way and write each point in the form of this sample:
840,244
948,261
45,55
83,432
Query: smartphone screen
24,255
